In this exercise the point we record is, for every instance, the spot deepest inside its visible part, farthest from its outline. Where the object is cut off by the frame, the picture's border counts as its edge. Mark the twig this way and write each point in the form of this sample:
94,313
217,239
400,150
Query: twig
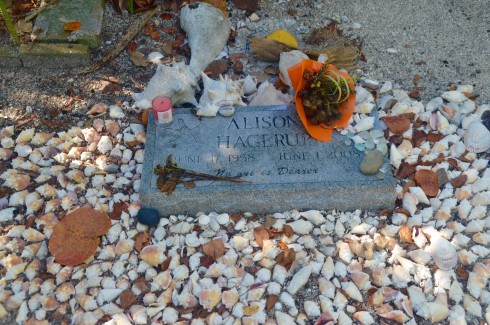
40,9
137,26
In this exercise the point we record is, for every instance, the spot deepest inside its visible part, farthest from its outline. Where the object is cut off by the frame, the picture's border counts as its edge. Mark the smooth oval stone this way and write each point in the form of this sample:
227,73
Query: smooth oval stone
227,111
485,119
148,216
372,162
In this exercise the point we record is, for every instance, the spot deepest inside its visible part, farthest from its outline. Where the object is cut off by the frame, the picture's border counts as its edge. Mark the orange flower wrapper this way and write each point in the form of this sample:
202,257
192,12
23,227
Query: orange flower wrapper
320,132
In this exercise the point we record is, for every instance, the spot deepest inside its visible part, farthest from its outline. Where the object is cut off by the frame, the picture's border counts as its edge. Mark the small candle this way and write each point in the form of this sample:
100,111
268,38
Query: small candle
162,111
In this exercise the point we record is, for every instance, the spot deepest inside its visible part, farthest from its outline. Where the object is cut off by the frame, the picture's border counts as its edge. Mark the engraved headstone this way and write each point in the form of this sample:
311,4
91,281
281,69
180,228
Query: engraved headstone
267,146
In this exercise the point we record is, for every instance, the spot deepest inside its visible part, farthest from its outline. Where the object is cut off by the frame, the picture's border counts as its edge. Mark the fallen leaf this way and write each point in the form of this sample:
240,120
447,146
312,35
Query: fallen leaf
286,258
282,246
250,310
397,124
280,83
142,284
117,210
406,170
428,181
164,266
237,216
248,5
216,68
261,234
271,301
71,26
166,16
138,59
462,272
76,237
206,261
167,47
132,47
214,248
414,94
127,299
288,230
23,26
453,162
434,137
405,234
141,240
219,4
238,67
459,181
144,4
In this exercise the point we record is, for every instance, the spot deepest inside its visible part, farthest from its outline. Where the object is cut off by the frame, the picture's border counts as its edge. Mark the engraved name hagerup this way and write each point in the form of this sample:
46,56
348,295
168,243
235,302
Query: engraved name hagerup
265,140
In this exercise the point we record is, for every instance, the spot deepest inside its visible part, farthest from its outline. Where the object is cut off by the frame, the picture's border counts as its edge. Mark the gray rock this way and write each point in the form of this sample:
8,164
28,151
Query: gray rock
372,162
442,176
227,111
268,147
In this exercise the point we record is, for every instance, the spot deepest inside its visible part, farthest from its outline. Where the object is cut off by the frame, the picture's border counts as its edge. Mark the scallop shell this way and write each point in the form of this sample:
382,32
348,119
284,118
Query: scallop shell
192,240
443,253
223,218
477,137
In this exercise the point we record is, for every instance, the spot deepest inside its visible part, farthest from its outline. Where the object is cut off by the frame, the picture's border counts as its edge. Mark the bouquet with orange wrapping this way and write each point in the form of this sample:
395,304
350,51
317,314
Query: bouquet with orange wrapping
324,97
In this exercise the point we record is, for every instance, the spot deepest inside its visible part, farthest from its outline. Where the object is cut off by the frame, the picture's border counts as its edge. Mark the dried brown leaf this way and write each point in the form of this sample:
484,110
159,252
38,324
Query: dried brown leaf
405,234
214,248
141,240
127,299
216,68
271,301
288,230
286,258
459,181
138,59
261,234
117,210
248,5
428,181
397,124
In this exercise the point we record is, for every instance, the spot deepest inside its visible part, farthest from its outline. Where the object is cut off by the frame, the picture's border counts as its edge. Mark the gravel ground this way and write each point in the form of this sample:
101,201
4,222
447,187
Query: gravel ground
66,98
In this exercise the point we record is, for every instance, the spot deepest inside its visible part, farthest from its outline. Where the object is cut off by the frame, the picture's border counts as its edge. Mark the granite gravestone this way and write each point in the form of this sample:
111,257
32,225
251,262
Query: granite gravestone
267,146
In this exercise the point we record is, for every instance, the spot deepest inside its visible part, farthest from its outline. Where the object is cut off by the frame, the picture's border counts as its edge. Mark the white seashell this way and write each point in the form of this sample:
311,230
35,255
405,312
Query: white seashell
192,240
386,87
410,202
154,57
352,291
475,226
443,253
312,309
223,219
209,298
454,96
218,93
283,318
364,317
249,85
287,60
472,306
301,227
138,314
299,279
419,256
395,156
364,124
364,108
267,94
204,220
477,137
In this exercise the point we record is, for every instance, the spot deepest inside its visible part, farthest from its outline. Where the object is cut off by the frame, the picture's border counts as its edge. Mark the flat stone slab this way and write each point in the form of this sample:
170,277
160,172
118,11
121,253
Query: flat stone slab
54,56
267,146
88,12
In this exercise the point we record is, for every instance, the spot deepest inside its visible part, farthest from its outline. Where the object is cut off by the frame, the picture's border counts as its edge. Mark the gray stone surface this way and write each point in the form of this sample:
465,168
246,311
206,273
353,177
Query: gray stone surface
9,58
54,56
267,146
88,12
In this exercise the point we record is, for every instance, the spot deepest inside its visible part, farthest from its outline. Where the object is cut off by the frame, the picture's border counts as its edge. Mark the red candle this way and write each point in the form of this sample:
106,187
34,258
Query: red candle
162,110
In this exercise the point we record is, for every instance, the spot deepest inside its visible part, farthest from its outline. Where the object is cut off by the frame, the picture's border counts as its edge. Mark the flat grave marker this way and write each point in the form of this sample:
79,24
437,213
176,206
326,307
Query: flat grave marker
265,145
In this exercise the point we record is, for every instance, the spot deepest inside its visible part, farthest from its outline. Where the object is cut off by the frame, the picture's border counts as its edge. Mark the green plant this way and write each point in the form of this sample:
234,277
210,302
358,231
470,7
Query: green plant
8,22
132,6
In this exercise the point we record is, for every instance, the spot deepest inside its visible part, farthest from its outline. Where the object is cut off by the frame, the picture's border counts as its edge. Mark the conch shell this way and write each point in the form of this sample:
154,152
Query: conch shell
218,93
208,31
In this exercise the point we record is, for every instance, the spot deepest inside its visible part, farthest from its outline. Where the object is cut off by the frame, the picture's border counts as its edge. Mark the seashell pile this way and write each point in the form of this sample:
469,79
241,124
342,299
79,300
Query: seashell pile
425,261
